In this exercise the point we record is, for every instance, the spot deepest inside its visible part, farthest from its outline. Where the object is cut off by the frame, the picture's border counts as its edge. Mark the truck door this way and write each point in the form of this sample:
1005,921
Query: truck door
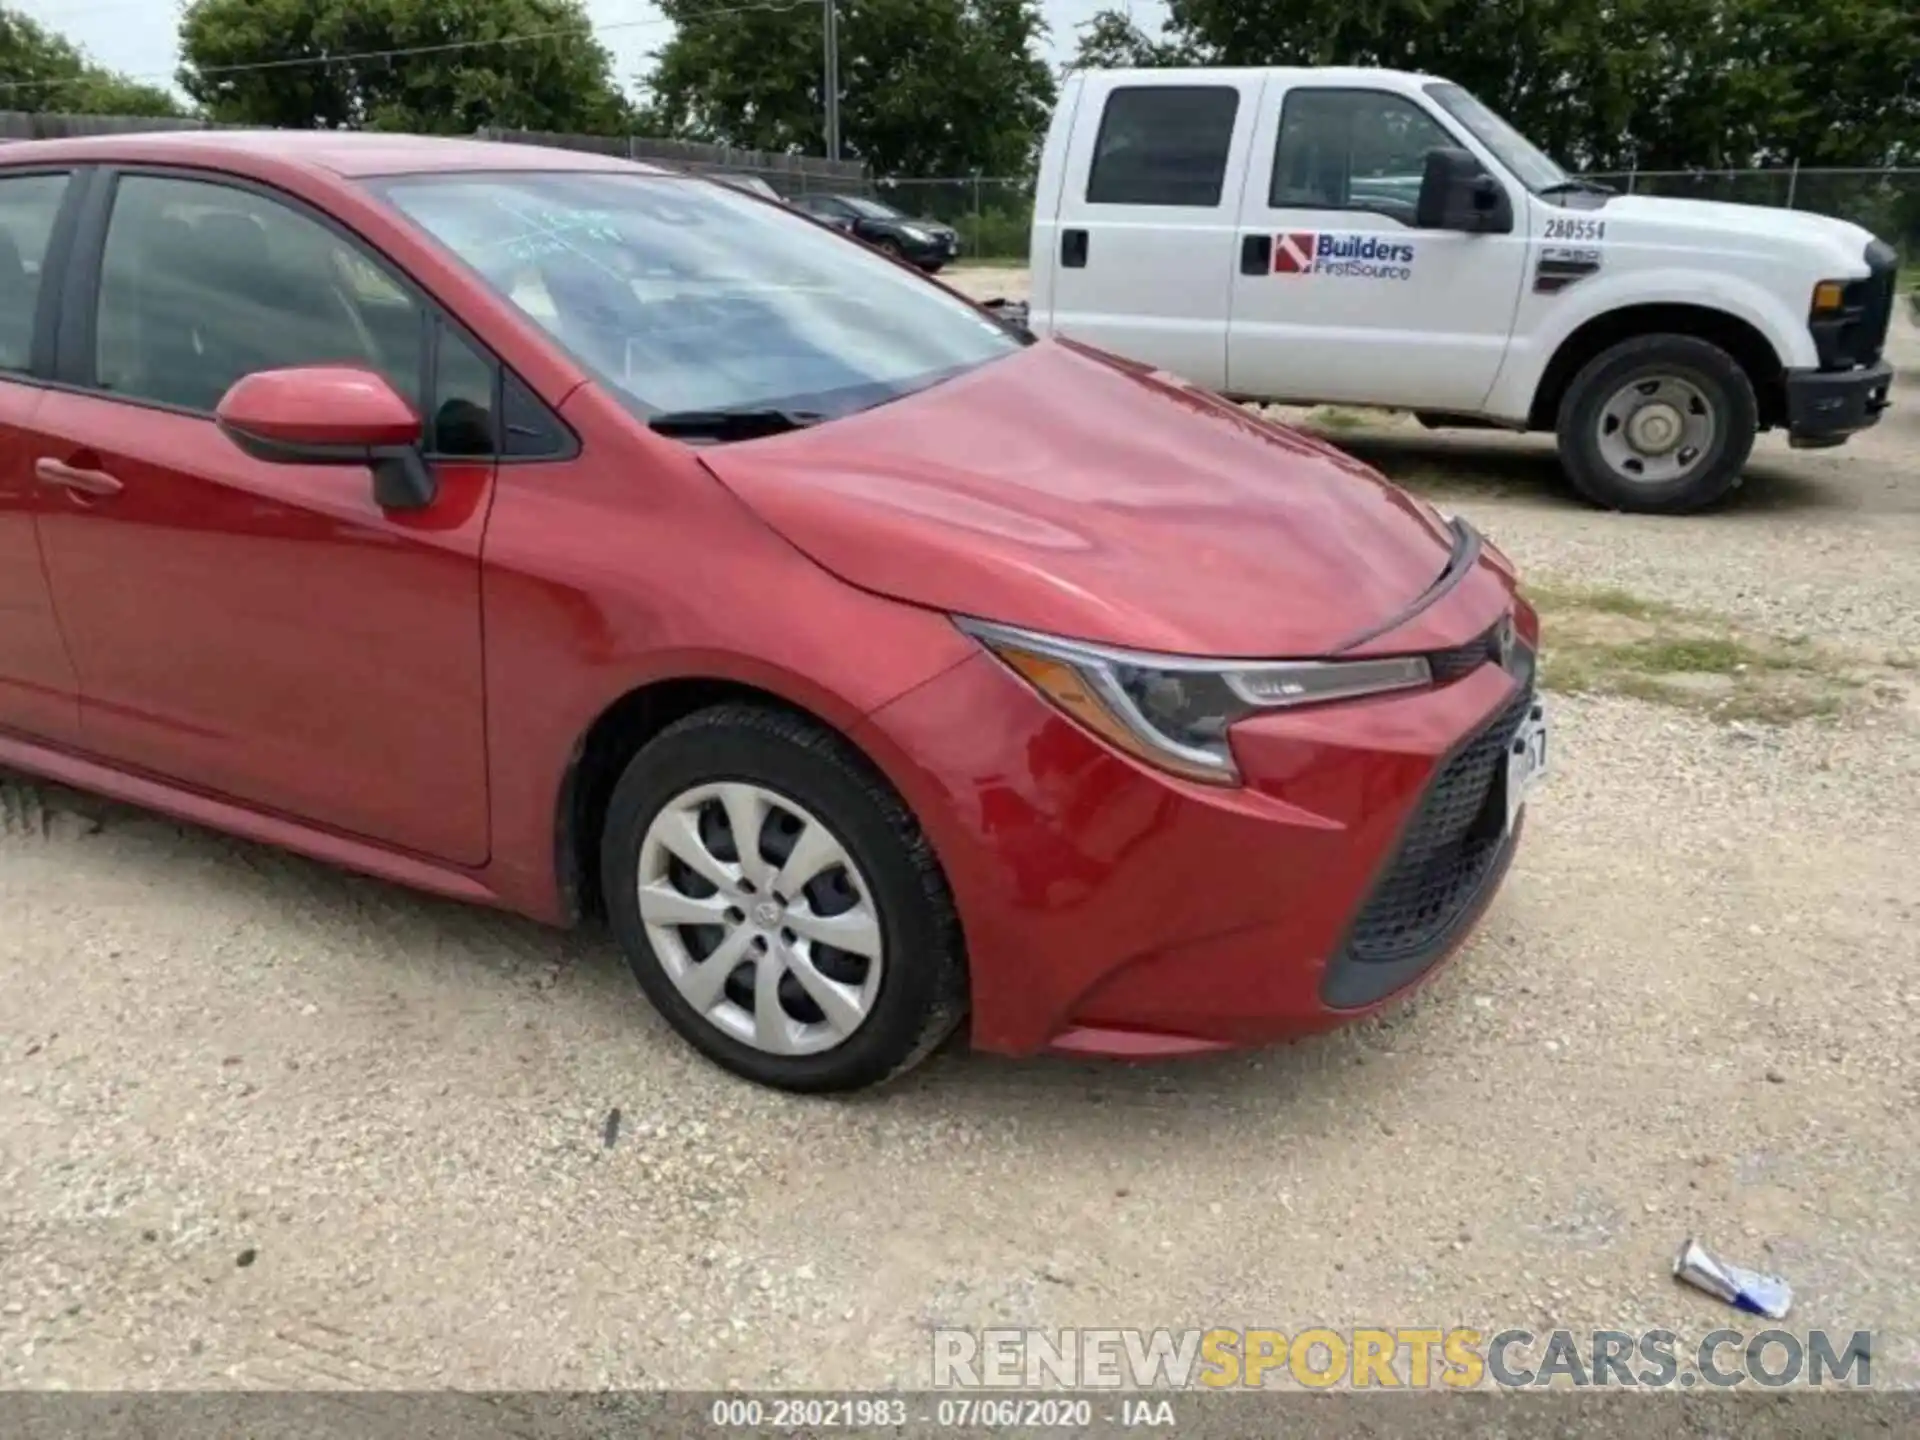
1142,252
1337,294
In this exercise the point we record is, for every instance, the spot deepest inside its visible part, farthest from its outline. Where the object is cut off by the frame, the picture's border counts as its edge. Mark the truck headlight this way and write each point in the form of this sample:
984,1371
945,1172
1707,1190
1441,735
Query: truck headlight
1173,712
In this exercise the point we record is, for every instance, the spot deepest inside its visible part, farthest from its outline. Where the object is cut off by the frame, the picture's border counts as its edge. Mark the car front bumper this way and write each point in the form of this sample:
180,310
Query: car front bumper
938,251
1110,909
1824,407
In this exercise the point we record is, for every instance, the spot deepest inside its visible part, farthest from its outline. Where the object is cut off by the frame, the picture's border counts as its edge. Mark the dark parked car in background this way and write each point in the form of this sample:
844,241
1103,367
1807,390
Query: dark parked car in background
926,243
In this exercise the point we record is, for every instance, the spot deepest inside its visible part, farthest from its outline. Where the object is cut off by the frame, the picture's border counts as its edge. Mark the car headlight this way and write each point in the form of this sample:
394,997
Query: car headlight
1174,712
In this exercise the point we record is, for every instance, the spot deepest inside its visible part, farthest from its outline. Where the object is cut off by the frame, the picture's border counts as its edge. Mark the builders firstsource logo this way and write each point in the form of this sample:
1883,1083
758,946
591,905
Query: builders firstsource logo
1354,257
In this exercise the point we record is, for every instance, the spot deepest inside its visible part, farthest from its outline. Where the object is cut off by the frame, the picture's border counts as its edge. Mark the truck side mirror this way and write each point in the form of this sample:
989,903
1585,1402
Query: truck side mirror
1457,194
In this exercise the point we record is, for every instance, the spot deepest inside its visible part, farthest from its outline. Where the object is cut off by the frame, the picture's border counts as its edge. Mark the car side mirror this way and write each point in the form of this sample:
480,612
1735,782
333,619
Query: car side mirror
331,415
1456,193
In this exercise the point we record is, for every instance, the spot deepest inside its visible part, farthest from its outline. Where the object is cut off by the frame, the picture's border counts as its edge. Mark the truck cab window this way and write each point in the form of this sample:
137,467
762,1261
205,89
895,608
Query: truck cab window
1352,150
1163,145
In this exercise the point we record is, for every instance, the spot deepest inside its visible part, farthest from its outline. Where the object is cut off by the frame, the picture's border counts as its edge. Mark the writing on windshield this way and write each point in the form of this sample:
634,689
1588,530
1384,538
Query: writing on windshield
689,296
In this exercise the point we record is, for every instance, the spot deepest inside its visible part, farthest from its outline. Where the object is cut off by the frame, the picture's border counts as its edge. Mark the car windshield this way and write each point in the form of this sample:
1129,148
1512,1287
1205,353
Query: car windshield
688,296
871,209
1530,165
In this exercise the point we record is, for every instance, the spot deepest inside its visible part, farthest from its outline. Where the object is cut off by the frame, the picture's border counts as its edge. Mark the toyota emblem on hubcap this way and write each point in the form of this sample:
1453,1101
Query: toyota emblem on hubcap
766,914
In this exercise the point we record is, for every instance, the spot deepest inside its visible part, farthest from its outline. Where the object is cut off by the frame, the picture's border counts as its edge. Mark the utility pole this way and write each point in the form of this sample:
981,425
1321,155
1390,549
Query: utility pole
833,79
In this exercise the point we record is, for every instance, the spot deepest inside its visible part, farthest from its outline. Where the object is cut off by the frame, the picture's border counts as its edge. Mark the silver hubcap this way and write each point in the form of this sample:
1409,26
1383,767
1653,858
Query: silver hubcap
760,918
1655,429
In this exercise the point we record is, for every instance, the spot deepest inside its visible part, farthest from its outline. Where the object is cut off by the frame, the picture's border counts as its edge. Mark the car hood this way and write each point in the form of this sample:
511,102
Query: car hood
1713,223
1065,491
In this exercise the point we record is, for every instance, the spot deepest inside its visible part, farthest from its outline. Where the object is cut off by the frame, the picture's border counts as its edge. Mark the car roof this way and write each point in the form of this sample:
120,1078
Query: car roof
348,153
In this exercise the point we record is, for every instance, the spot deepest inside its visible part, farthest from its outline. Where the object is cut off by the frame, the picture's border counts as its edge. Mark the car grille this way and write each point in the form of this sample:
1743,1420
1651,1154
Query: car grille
1449,847
1463,660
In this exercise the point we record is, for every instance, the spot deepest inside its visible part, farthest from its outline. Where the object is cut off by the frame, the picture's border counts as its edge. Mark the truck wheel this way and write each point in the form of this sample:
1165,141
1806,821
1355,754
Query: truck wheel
1659,424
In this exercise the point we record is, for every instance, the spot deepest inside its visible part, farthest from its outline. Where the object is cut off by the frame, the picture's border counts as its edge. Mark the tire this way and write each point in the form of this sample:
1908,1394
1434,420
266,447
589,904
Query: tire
1670,372
919,995
893,249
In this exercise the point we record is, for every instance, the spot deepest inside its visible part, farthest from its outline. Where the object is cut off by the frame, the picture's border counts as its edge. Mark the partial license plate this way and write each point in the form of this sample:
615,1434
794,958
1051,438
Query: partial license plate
1526,760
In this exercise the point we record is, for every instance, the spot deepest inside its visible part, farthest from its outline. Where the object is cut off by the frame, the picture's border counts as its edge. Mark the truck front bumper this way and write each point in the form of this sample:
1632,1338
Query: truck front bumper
1824,407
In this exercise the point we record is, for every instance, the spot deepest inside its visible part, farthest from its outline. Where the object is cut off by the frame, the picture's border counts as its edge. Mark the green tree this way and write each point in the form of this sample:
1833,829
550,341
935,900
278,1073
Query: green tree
44,71
928,87
528,64
1603,84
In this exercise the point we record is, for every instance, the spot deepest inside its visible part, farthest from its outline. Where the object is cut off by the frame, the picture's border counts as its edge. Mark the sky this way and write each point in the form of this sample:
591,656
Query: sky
136,37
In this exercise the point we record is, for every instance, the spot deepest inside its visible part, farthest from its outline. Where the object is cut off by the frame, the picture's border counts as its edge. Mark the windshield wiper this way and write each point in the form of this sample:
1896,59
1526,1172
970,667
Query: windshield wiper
1581,187
746,423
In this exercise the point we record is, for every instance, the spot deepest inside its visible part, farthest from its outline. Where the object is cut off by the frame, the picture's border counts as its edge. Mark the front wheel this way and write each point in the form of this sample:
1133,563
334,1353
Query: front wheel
1660,424
778,904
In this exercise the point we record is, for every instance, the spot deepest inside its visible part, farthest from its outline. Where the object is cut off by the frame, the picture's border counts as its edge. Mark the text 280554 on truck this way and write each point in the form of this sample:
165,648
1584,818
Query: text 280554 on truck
1376,237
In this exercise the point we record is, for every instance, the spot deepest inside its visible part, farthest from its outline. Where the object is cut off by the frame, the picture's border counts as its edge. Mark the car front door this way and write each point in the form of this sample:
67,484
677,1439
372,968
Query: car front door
1337,293
264,632
38,695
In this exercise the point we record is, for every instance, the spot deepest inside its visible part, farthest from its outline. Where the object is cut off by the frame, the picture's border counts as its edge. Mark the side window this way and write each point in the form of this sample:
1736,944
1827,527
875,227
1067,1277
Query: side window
201,284
1163,145
462,420
28,206
1352,150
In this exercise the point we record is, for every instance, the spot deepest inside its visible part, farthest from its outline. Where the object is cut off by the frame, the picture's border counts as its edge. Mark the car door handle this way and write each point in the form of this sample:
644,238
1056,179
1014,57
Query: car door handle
1256,254
1073,249
72,477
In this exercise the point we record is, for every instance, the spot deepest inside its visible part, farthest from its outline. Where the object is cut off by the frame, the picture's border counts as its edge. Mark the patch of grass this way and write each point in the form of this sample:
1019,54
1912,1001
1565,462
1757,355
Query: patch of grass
1613,642
1559,599
1701,654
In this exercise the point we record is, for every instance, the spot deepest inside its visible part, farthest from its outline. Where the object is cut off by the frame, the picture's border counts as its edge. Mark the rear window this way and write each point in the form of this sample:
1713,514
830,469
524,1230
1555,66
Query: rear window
1164,145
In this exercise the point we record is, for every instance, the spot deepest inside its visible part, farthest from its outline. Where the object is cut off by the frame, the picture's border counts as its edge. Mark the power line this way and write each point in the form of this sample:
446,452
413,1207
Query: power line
775,7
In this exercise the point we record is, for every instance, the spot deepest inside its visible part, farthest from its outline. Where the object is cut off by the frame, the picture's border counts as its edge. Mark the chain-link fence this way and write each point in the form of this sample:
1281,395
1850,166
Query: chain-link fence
993,215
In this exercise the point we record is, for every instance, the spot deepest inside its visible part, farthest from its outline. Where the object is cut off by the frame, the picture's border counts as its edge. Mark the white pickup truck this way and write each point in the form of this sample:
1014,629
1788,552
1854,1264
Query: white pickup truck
1382,238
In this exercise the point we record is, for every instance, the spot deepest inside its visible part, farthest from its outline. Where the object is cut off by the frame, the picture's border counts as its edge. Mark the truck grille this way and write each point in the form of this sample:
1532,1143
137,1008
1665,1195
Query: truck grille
1859,336
1448,849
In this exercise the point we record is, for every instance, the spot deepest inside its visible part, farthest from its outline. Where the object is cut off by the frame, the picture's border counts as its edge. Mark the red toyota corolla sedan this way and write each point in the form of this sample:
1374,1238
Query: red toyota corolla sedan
563,535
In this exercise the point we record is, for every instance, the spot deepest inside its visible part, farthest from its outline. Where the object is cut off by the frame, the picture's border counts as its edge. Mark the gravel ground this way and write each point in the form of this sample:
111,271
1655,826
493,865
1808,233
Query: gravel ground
263,1124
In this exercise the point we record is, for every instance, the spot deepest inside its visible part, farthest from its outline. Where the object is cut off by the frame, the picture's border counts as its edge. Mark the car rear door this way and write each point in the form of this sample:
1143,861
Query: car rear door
1148,212
1338,294
38,693
265,632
